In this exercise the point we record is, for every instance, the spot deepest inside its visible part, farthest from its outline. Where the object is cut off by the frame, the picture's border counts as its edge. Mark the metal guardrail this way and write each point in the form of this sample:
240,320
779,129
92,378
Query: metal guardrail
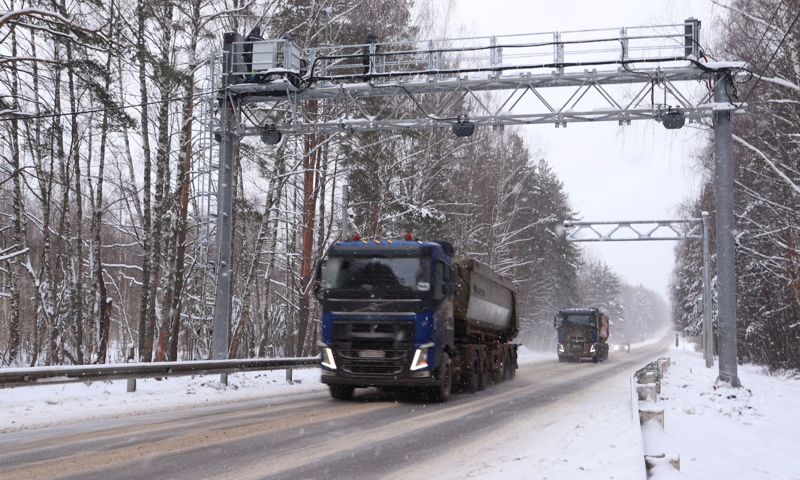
17,377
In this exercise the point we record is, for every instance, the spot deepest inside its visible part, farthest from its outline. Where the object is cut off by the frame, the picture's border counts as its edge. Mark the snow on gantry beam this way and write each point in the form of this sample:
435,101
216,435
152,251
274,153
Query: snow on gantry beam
634,231
276,91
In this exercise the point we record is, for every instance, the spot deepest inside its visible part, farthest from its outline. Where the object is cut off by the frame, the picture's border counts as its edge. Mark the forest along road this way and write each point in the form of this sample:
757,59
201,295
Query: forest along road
311,436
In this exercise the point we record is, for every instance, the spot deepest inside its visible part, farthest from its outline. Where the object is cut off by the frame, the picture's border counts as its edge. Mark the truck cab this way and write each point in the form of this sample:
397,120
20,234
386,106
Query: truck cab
387,315
582,333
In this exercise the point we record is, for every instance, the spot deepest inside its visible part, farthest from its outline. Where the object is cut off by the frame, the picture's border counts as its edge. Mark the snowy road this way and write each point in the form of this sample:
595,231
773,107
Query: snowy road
312,436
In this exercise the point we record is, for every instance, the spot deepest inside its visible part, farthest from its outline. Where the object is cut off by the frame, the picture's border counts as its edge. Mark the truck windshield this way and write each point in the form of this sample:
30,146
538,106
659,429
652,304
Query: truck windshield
378,273
578,320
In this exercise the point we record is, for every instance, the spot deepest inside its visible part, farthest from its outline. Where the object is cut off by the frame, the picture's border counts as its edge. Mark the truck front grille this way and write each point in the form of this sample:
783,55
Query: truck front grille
577,348
373,348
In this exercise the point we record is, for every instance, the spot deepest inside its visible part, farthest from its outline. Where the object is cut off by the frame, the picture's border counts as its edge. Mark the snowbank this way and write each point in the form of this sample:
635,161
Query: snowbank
746,433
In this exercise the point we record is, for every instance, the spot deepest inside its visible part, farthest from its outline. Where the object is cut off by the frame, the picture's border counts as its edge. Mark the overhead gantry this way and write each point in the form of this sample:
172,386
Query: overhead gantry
272,88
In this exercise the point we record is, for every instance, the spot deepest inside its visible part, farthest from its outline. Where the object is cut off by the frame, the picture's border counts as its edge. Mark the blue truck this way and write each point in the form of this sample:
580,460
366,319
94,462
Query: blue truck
408,314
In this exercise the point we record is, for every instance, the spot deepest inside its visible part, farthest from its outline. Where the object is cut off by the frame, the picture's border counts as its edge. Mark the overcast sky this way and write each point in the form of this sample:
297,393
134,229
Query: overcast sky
637,172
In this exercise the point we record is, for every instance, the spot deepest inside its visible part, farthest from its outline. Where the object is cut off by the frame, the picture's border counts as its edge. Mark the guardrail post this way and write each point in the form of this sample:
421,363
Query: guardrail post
131,387
289,375
646,391
223,379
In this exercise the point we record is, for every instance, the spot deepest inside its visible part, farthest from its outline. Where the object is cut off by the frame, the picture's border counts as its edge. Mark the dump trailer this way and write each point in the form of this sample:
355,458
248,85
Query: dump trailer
582,333
408,315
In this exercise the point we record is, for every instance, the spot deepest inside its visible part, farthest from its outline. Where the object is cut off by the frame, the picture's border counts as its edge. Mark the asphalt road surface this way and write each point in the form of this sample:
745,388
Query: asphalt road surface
305,437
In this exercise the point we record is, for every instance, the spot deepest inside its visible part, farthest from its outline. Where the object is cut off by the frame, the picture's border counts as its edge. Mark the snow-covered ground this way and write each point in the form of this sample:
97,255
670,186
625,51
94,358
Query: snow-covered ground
746,433
584,436
38,406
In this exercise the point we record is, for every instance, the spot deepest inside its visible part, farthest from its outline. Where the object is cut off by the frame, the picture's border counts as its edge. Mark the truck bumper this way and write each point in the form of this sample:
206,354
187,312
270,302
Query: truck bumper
576,356
330,377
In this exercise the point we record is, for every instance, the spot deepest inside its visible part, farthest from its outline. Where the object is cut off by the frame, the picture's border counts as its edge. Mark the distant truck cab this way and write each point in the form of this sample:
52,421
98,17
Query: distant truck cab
582,333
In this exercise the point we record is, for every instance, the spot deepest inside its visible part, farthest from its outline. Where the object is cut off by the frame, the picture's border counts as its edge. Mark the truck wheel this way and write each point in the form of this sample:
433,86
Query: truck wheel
441,392
475,378
512,371
341,392
595,359
485,372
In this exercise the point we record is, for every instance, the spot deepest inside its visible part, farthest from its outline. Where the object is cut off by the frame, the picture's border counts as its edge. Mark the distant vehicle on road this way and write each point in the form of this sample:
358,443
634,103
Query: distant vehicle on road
582,333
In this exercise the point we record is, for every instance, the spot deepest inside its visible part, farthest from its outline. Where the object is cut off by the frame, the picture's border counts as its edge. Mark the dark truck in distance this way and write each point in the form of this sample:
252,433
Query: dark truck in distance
406,314
582,333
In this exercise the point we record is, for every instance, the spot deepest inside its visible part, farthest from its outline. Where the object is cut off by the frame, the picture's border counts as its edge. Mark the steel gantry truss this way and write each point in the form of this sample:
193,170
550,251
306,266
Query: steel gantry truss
655,230
271,88
634,231
547,78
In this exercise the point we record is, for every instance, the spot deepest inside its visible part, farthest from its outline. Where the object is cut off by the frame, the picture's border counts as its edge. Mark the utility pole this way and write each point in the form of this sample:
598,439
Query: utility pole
345,206
726,230
708,335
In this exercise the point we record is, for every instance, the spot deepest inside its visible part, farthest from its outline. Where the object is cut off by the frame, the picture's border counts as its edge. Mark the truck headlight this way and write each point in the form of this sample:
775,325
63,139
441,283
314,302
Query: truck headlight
561,347
592,348
327,358
420,359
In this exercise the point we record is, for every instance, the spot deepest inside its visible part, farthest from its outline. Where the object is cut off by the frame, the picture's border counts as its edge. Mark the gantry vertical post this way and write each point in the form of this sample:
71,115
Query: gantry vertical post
222,303
726,230
708,335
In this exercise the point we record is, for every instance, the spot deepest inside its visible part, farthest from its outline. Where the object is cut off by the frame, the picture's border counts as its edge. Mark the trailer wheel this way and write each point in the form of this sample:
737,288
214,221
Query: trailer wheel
440,393
484,375
512,371
341,392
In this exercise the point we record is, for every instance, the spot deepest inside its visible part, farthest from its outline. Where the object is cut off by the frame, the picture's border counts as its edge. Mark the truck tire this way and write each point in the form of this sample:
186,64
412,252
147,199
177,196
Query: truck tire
341,392
595,359
475,381
512,370
485,374
440,393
